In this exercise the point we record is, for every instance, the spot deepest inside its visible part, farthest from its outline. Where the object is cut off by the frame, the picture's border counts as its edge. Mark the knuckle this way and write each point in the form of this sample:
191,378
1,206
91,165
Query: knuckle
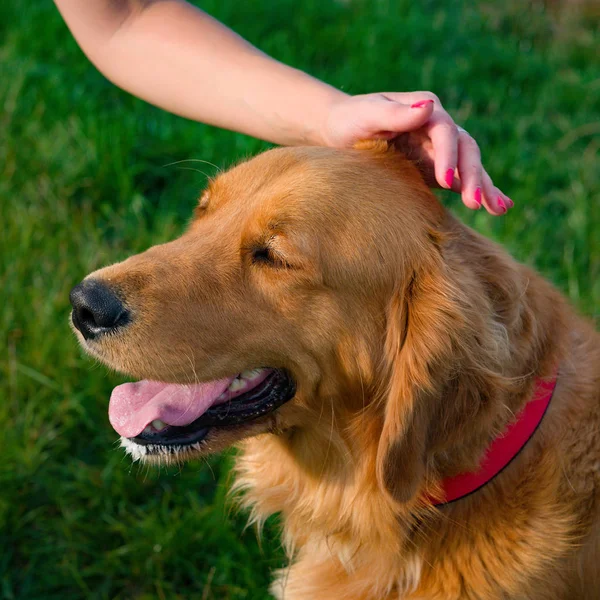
448,128
470,143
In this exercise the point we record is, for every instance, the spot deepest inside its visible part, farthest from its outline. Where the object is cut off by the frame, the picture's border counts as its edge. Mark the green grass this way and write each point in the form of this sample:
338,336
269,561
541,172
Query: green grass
83,183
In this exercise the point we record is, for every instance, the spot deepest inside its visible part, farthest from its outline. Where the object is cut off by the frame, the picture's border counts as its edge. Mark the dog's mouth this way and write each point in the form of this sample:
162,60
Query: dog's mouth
161,416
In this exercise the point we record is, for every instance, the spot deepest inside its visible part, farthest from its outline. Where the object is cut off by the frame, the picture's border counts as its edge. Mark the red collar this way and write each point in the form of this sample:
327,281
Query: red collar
503,449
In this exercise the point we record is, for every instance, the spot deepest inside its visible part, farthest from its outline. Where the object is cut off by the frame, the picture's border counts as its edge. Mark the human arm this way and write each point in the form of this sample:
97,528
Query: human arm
177,57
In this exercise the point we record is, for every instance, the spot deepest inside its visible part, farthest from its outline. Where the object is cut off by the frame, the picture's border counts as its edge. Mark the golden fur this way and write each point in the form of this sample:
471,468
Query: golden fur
413,341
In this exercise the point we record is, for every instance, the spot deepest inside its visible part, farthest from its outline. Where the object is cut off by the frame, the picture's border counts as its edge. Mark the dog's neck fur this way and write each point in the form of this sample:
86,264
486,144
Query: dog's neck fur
333,507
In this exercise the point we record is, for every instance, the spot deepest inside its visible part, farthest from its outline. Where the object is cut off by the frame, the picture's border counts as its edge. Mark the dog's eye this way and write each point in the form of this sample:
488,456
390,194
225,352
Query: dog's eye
262,255
266,255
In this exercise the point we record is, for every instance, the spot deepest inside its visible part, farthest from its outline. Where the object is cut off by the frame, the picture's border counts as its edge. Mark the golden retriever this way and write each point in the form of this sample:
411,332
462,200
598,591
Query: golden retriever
359,345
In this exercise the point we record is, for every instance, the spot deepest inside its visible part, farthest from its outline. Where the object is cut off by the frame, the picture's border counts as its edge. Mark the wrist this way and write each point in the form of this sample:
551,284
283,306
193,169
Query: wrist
319,133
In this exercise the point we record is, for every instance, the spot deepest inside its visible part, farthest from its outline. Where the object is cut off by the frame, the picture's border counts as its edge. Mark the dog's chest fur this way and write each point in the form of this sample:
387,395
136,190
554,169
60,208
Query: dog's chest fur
344,542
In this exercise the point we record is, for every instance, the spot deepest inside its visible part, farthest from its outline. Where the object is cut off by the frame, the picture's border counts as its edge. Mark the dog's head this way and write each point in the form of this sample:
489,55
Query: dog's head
311,281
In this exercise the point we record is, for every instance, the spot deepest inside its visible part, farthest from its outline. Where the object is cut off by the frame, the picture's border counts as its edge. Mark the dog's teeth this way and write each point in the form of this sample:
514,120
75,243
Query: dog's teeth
250,374
236,385
158,424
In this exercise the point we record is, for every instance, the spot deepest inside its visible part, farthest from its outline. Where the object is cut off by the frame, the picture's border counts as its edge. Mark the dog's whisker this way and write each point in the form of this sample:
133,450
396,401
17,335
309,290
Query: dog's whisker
206,162
192,169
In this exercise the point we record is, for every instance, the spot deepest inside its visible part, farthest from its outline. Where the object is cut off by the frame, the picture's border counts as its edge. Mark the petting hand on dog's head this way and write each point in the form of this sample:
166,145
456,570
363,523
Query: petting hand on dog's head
447,155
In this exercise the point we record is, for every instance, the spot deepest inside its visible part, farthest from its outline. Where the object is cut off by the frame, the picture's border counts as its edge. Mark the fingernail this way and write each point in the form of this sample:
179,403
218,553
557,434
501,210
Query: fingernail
502,205
449,178
421,103
509,202
478,196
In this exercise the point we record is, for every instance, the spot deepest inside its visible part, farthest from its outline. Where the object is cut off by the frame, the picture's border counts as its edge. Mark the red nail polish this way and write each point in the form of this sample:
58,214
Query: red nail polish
449,178
478,196
502,205
509,202
421,103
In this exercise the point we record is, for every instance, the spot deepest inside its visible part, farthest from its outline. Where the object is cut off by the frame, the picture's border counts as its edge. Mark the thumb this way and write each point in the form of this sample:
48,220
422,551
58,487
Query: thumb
390,115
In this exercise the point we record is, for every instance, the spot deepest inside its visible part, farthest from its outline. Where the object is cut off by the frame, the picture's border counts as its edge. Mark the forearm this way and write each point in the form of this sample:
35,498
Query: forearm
175,56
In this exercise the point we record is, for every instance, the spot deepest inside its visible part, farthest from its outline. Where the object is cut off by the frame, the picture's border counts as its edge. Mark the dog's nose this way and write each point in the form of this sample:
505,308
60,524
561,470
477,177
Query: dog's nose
96,309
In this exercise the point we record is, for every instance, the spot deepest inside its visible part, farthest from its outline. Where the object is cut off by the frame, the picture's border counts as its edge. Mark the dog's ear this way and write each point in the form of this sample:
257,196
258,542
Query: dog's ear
426,324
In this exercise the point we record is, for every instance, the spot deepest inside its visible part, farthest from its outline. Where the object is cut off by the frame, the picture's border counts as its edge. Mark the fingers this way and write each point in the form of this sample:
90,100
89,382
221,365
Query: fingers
458,166
444,138
470,171
495,202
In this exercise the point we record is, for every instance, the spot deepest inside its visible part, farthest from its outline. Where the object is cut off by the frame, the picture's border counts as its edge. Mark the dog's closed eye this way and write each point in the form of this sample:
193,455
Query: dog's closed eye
267,254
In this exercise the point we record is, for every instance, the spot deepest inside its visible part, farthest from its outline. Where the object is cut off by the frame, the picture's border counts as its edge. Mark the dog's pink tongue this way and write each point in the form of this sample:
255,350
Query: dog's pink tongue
135,405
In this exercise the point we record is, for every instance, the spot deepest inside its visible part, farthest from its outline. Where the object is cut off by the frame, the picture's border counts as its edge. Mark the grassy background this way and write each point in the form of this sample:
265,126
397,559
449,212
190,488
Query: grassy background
82,183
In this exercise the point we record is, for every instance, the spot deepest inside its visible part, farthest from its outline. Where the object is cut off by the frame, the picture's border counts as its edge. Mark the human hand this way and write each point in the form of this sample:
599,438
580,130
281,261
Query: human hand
447,155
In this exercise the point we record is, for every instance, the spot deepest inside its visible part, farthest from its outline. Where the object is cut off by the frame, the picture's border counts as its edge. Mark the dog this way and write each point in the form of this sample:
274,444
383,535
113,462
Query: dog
366,352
